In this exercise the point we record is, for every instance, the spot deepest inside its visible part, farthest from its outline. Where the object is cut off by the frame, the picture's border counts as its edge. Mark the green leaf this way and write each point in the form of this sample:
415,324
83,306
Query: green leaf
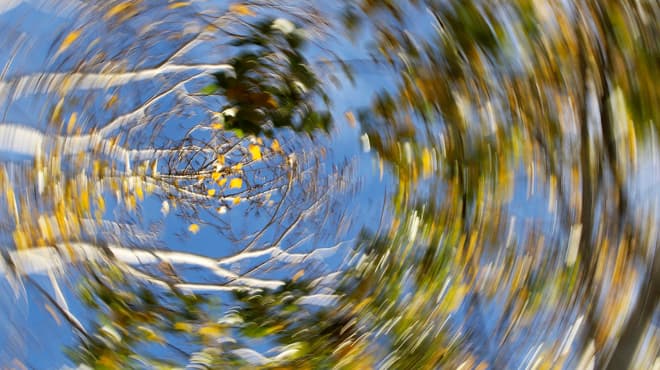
209,89
238,132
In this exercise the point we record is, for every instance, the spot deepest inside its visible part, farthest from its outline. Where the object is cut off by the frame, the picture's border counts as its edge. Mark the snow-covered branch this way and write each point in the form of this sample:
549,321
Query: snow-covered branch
44,83
44,260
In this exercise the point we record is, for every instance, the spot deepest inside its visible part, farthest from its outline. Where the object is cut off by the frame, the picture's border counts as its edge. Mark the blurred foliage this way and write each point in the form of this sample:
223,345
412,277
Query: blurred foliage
554,96
493,91
270,84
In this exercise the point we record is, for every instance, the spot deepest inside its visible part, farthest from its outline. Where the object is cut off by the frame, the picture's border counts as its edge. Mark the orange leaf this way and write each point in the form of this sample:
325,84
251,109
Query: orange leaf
351,118
298,275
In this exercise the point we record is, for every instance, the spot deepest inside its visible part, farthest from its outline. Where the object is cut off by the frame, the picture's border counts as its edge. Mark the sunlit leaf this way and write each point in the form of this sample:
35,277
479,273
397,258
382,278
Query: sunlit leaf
193,228
183,326
57,111
209,89
68,40
118,9
211,330
178,4
111,102
275,146
236,183
72,122
255,151
241,9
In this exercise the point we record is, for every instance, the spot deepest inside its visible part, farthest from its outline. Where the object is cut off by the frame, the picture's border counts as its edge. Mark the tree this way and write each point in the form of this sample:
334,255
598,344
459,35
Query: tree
80,200
498,87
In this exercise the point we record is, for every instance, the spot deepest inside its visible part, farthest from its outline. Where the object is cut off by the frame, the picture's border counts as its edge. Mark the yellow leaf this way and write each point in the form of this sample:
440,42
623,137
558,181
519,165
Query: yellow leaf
68,40
217,126
222,182
236,183
427,163
211,192
150,335
236,200
131,202
179,4
193,228
241,9
106,361
72,122
255,151
117,9
221,159
183,326
20,239
100,203
215,176
275,146
84,200
111,102
139,192
65,85
238,167
57,111
210,331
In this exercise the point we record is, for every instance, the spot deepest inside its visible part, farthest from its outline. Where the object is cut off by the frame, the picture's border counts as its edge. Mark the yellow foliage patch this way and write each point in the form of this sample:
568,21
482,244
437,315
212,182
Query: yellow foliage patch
210,330
236,183
183,326
178,4
255,151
